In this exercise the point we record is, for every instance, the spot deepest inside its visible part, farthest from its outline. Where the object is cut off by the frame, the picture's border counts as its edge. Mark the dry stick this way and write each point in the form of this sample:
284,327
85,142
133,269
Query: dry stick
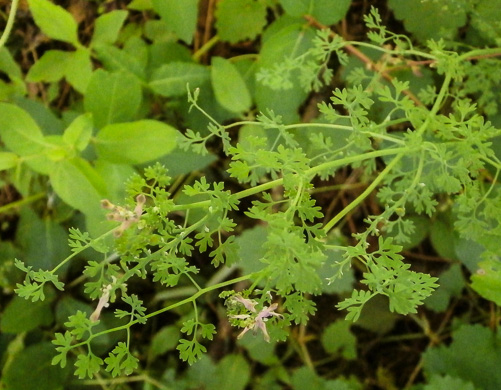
362,57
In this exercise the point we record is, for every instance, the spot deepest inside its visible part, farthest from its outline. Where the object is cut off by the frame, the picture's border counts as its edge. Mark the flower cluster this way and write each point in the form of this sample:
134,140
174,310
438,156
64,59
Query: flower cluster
121,214
256,320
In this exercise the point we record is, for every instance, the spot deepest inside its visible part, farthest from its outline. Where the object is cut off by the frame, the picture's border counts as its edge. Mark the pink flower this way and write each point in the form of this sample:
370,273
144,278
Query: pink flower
103,302
258,319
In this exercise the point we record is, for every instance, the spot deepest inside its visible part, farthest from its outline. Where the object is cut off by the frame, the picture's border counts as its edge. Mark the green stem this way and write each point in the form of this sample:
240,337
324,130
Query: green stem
310,172
496,51
10,23
191,299
410,52
329,225
389,167
205,48
80,250
22,202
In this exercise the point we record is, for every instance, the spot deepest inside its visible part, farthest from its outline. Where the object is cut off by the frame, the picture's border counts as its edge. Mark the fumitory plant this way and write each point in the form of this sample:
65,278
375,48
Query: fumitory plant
420,150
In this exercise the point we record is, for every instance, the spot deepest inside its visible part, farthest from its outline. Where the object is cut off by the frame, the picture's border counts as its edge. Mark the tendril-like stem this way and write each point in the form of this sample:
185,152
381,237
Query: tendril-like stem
10,23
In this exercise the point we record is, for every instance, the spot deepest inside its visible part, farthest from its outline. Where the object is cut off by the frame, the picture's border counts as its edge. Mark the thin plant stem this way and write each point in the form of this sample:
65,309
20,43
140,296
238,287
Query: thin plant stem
10,23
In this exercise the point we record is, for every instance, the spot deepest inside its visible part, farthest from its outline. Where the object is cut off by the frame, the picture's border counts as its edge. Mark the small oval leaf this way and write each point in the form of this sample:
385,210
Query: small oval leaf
135,142
229,87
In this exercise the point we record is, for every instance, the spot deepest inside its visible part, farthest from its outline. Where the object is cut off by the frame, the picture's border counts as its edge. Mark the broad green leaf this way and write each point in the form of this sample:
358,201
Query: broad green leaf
229,87
485,18
442,238
181,162
251,252
54,21
79,70
22,315
305,378
12,90
203,371
137,48
438,382
468,252
55,64
115,59
158,31
78,133
140,5
8,160
31,369
58,149
135,142
114,175
238,20
50,67
337,338
19,132
180,16
171,79
474,355
45,118
44,241
325,11
107,27
161,53
259,349
432,19
233,373
8,65
78,184
487,280
112,97
164,340
450,284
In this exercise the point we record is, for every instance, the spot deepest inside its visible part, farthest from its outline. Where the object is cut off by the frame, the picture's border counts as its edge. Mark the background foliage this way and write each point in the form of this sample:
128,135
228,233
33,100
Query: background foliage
320,154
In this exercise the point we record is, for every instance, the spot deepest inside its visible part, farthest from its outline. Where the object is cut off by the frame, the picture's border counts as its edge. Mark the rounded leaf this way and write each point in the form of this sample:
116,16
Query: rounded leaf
238,20
19,131
135,142
78,184
112,97
229,87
